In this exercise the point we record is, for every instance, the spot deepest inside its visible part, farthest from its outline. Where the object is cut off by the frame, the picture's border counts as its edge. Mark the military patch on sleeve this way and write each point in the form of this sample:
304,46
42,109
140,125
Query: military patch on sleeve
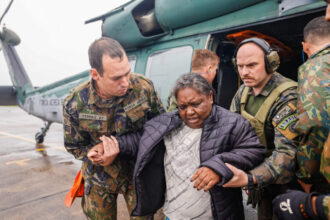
285,120
283,113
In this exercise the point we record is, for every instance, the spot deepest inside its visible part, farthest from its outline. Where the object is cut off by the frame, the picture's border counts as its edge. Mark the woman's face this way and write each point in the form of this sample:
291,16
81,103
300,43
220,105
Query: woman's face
193,107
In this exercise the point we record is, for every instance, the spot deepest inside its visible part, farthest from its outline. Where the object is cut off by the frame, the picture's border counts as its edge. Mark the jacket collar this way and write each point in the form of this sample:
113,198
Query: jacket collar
209,121
174,120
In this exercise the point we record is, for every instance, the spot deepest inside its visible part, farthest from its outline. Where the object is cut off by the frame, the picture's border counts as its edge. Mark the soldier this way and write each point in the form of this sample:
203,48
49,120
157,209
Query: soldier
204,62
267,100
313,154
114,101
312,106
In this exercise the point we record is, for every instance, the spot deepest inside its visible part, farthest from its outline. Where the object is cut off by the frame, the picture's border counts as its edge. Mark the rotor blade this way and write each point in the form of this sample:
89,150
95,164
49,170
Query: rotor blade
7,9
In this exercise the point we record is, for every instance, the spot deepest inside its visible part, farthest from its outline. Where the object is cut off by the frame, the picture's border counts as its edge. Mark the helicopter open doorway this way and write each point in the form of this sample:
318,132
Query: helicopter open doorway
287,30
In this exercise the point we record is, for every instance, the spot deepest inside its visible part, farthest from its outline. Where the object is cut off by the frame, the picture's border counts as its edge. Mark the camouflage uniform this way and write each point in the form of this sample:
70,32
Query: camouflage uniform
314,122
87,116
278,167
171,103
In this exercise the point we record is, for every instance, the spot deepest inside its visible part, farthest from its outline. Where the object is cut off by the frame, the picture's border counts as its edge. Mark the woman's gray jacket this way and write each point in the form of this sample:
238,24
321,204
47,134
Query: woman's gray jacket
226,138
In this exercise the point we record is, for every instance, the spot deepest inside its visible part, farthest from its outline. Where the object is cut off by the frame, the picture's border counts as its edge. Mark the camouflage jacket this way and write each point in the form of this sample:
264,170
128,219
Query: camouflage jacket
87,116
313,114
279,166
171,103
326,206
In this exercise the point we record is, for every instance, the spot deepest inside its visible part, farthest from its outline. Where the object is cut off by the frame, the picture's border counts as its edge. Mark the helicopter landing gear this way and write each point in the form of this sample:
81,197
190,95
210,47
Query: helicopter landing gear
39,137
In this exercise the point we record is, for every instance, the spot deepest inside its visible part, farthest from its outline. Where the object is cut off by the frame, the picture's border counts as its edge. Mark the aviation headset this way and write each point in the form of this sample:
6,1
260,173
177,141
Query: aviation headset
272,60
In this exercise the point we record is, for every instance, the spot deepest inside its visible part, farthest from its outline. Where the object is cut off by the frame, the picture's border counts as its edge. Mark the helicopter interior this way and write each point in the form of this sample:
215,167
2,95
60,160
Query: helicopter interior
288,31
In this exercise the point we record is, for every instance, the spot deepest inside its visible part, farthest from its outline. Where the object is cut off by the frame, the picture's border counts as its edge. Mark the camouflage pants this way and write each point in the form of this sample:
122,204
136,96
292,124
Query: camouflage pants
265,210
100,204
265,206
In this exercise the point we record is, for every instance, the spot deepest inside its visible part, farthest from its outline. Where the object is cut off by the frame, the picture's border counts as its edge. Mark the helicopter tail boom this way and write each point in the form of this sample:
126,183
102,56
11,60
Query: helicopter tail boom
18,75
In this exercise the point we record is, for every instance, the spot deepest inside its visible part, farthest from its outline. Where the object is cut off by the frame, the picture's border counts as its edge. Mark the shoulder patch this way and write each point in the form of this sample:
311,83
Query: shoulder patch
285,120
283,113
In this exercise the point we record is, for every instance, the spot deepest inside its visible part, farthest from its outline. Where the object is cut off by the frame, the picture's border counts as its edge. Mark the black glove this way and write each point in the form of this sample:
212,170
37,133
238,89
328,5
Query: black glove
294,205
254,196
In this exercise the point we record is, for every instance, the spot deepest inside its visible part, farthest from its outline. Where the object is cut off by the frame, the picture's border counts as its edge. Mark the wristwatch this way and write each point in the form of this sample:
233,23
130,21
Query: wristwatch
250,184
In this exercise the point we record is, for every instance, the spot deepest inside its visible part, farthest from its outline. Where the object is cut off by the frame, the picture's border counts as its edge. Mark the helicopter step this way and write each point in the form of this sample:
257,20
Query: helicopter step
39,137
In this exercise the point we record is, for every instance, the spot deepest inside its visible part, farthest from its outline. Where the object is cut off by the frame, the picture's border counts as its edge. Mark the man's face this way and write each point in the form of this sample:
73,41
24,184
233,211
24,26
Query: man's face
251,66
193,107
210,72
115,78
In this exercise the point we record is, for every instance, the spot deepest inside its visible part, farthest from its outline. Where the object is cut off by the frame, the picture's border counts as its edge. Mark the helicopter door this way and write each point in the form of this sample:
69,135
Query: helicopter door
227,81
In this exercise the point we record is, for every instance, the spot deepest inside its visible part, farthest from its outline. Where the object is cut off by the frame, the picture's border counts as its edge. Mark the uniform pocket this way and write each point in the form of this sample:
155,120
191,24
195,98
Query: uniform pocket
99,126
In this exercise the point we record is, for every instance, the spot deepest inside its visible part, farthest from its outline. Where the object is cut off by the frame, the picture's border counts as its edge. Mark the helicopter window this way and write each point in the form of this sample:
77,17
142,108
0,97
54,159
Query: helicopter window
164,67
132,62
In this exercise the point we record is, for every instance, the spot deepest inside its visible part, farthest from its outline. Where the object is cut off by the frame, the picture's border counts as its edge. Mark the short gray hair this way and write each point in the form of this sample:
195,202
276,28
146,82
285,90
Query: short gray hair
317,29
107,46
194,81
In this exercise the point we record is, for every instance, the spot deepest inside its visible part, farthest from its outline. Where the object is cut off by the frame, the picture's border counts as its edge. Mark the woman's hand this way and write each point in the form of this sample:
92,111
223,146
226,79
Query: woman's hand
205,177
95,153
105,152
111,150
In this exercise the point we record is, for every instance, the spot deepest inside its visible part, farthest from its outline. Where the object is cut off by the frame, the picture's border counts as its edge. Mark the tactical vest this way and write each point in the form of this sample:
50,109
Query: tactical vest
258,121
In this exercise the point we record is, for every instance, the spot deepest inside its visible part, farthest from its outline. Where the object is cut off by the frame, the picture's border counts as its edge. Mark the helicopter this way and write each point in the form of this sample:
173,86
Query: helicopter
160,37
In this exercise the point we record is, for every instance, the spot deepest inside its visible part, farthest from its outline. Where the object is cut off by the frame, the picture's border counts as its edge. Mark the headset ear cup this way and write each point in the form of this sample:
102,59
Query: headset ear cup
267,64
233,60
273,61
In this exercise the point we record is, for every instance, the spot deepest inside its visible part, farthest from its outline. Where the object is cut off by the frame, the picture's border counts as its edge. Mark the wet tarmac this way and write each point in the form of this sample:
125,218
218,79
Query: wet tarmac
34,179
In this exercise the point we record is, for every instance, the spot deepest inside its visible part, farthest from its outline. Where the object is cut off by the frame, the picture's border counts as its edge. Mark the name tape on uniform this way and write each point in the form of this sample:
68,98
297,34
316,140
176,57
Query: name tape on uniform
135,104
92,117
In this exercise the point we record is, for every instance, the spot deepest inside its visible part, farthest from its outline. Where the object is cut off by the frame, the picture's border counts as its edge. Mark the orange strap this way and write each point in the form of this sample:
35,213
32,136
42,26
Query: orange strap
77,190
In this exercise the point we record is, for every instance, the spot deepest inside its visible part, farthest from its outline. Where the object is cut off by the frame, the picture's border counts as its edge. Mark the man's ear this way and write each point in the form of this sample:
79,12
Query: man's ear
306,47
211,97
209,69
95,75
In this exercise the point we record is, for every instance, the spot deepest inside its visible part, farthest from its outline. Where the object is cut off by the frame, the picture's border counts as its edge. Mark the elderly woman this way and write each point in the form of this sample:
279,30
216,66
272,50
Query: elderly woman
181,152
